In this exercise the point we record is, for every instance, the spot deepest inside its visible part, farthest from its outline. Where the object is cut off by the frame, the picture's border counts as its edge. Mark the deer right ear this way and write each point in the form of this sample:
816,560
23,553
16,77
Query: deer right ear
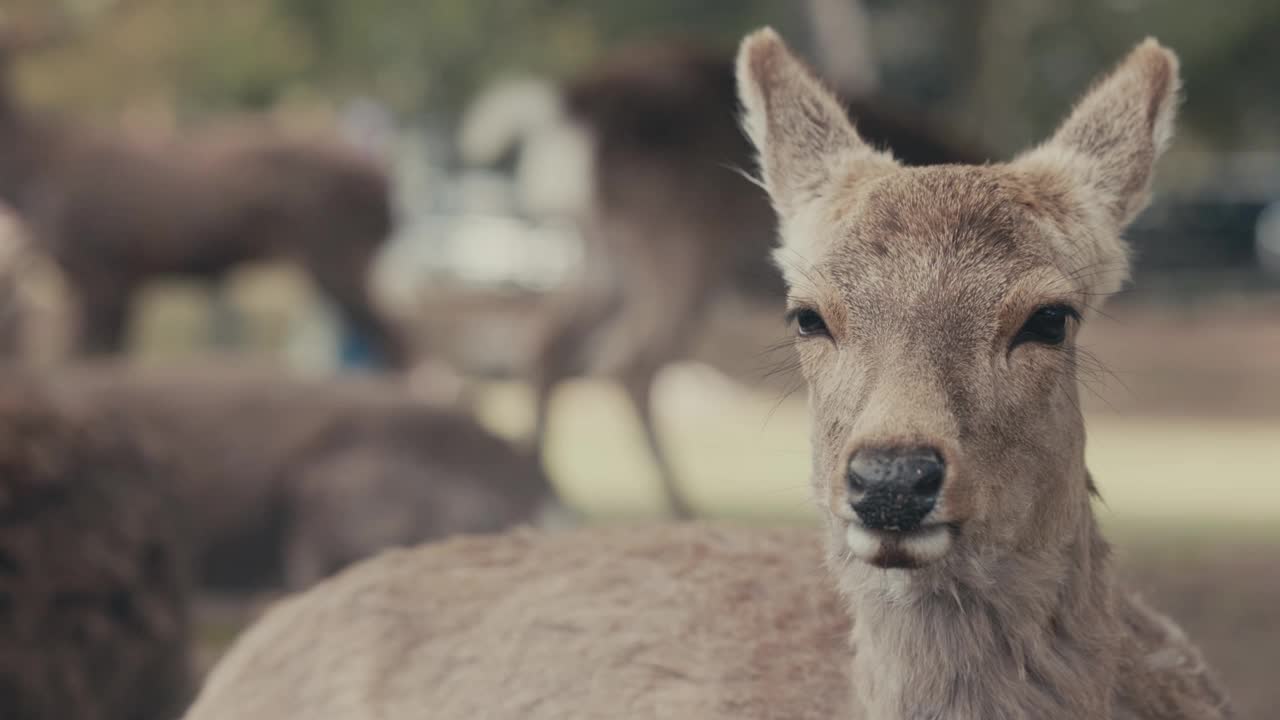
1112,139
801,132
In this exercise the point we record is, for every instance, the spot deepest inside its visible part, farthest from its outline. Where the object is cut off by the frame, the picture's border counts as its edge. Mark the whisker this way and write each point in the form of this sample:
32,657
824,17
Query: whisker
785,395
745,175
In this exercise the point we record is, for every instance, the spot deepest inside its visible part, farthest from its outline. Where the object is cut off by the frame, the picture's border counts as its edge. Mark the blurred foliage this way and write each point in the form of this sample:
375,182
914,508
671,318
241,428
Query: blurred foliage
999,69
436,53
1003,69
417,56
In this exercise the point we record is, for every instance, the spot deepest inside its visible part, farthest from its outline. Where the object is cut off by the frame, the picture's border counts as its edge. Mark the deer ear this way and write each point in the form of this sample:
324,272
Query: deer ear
800,130
1114,136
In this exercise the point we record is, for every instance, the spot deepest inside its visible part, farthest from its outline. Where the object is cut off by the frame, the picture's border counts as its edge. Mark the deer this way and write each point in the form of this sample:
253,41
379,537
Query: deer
115,210
959,570
670,228
284,480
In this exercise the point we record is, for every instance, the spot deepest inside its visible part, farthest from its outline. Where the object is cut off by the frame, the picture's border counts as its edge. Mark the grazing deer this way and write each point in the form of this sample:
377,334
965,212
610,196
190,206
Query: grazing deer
287,480
670,225
936,311
115,211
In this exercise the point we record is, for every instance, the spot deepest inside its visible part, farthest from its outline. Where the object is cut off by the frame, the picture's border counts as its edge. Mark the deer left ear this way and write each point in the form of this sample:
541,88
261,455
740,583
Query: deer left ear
1112,139
799,128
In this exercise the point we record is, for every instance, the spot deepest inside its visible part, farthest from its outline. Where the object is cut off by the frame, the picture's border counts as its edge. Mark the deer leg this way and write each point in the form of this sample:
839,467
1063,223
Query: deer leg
227,324
348,286
387,342
561,351
638,384
663,305
104,316
552,366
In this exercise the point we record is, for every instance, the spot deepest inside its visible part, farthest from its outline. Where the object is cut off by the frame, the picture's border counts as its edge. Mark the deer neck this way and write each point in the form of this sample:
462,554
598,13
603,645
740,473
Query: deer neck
1032,634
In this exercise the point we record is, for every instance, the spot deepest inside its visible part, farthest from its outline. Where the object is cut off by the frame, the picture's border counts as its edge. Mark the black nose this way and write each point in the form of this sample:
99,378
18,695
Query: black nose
893,489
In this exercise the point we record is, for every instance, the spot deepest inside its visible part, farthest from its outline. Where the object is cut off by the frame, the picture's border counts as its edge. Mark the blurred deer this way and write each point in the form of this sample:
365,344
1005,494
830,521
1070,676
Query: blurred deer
935,313
670,225
115,211
286,480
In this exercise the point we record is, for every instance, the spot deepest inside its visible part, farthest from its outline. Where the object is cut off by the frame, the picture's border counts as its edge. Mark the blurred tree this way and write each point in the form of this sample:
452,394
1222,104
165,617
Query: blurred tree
435,54
188,54
1001,69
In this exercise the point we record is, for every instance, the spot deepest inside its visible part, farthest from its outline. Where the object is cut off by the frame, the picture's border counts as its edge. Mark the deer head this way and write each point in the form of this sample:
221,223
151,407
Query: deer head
936,309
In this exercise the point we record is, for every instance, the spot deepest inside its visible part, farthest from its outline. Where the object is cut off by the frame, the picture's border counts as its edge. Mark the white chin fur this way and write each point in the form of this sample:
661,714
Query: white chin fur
923,546
862,544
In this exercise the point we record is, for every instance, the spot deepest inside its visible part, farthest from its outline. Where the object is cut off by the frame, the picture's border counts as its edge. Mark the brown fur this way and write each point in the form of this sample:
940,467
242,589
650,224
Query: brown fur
116,212
672,225
1003,605
93,572
292,479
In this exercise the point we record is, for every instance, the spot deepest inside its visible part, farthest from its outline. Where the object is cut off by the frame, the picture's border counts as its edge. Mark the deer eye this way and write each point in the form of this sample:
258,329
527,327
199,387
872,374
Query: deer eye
809,322
1047,325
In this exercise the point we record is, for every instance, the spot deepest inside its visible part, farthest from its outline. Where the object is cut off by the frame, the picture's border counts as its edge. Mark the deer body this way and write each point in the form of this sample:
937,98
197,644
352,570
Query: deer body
286,480
696,621
115,211
935,311
591,655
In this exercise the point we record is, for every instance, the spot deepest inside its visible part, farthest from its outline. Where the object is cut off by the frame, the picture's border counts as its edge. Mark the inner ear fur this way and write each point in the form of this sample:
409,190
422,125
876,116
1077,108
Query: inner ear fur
799,128
1112,139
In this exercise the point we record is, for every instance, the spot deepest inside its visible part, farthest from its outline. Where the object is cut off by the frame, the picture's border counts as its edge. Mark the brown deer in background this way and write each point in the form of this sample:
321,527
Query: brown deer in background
671,225
936,312
115,211
285,479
